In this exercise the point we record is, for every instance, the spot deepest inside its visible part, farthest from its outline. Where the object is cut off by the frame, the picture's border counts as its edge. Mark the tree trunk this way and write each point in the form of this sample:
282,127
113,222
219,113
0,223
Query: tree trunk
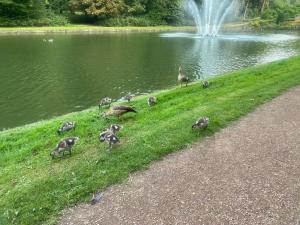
265,4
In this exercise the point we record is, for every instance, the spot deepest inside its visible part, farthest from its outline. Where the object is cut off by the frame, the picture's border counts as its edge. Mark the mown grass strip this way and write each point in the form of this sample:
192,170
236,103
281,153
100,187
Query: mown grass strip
90,29
34,189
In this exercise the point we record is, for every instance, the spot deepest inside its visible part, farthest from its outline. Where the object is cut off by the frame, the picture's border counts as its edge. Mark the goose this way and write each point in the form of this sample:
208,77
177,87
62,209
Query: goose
118,111
104,102
201,123
63,146
66,127
182,78
152,100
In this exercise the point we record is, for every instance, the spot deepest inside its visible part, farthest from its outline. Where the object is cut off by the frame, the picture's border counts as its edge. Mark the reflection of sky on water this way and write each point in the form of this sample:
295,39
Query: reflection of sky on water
235,37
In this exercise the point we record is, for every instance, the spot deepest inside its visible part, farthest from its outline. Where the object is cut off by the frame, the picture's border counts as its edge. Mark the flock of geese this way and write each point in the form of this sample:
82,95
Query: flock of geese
109,135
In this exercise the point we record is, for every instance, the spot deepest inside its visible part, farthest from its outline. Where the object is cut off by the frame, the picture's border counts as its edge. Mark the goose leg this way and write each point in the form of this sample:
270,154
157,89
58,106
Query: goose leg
109,147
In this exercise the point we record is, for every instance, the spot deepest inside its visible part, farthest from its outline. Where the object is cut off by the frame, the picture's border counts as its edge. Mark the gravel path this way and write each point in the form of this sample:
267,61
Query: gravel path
249,173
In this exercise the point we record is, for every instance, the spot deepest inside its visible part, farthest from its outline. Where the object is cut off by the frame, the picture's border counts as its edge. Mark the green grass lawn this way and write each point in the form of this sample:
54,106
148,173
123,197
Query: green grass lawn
83,28
100,29
34,189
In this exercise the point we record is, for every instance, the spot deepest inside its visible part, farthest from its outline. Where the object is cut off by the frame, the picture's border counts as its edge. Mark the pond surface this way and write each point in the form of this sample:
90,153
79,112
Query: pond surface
42,78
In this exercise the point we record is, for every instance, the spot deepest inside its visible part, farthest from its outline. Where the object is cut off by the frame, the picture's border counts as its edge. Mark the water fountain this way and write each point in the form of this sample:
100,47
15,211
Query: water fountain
211,16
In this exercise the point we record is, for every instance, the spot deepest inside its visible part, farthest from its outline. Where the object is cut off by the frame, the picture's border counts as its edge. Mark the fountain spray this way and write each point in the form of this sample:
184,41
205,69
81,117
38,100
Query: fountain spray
210,17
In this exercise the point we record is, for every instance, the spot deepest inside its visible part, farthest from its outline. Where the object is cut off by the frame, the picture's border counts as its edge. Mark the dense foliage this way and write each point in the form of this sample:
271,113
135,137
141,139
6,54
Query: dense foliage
127,12
273,10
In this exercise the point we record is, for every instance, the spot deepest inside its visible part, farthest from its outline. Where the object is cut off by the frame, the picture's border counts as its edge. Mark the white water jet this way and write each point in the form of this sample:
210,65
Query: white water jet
192,8
210,17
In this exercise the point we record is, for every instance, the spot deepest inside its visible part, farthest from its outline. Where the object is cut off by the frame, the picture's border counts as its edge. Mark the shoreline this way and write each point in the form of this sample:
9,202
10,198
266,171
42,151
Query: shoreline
91,29
43,122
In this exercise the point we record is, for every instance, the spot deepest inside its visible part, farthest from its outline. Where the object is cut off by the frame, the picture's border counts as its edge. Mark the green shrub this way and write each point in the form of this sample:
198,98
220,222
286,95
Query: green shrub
52,20
269,14
131,21
255,23
286,13
81,19
57,20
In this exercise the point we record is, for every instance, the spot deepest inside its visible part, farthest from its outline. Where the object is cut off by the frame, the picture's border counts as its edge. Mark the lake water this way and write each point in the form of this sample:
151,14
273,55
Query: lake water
41,79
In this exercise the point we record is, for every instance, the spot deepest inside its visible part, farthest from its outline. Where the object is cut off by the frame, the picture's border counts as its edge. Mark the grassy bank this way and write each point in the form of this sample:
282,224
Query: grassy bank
270,25
102,29
34,189
90,29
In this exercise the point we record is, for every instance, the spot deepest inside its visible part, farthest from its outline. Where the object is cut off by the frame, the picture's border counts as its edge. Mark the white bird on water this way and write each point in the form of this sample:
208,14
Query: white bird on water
48,40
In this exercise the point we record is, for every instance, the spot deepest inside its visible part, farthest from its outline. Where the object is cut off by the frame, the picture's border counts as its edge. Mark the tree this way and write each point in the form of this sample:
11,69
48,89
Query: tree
22,9
168,10
99,8
58,6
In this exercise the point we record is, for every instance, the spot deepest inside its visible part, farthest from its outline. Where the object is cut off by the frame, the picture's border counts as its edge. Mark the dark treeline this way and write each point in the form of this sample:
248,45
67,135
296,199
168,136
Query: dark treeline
127,12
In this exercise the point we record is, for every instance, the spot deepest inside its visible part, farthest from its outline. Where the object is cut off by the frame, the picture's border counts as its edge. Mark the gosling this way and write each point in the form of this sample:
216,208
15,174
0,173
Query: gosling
105,102
109,137
96,198
115,128
201,123
128,97
152,101
63,146
205,84
66,127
